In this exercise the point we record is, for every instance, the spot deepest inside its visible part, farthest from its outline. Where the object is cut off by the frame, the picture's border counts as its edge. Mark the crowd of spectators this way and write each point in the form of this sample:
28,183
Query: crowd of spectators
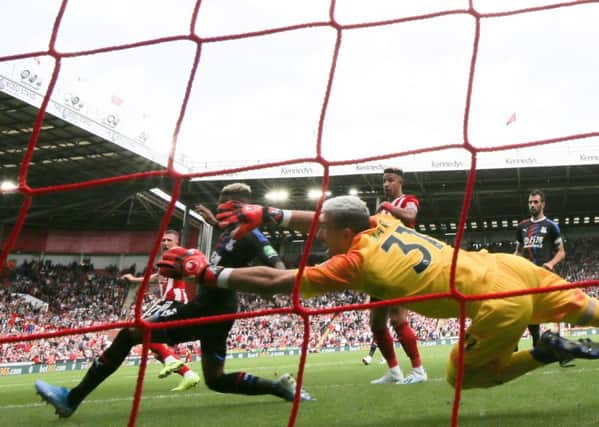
43,297
581,262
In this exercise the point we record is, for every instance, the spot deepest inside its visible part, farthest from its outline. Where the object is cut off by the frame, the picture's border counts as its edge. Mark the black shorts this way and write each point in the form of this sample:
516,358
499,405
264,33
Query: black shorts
212,336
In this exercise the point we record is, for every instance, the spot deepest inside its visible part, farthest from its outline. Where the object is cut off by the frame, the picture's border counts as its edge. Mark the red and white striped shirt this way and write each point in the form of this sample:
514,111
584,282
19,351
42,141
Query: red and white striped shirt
407,201
173,290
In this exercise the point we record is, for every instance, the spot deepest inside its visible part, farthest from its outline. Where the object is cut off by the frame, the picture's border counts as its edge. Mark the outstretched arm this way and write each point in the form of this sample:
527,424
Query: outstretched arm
338,273
265,281
205,213
241,218
133,279
191,264
301,220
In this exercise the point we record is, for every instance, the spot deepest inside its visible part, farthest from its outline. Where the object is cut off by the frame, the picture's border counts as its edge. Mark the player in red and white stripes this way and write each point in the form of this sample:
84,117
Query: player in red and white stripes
172,291
404,207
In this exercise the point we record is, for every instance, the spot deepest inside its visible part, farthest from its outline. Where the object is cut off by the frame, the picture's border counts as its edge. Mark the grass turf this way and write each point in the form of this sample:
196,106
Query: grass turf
550,396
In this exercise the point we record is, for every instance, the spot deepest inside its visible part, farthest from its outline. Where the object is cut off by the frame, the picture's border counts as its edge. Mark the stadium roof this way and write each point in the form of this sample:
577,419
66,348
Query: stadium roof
275,84
66,154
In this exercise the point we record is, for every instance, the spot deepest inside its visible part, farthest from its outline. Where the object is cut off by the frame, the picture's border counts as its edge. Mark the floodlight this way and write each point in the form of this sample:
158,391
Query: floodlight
8,185
316,194
277,195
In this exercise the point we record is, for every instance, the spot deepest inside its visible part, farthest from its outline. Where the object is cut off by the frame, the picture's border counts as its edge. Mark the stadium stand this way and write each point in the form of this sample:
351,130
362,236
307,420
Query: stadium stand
46,297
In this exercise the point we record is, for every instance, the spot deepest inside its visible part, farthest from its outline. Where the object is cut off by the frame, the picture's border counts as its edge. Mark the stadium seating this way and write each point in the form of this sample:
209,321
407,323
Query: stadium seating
78,296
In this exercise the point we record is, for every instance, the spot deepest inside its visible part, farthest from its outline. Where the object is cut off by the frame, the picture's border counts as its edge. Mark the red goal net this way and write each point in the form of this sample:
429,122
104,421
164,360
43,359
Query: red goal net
316,86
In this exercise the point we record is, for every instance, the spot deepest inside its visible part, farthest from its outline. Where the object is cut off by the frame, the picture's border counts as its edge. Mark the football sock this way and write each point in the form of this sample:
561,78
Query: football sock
170,359
103,366
167,355
373,347
384,341
409,342
188,372
162,352
419,370
535,333
244,383
396,371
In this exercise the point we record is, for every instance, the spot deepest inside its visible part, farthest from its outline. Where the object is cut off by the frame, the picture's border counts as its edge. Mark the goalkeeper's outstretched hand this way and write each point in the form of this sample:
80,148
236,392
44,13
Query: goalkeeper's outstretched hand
241,218
180,262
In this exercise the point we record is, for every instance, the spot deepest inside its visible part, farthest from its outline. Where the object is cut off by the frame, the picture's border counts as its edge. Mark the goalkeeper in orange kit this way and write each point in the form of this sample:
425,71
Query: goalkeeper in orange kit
382,257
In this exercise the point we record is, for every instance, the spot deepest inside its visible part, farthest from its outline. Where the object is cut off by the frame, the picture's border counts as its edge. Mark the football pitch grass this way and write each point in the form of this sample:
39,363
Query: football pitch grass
550,396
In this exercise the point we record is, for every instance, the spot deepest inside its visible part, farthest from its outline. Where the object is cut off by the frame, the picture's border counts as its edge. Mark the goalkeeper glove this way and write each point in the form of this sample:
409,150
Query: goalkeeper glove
180,262
241,218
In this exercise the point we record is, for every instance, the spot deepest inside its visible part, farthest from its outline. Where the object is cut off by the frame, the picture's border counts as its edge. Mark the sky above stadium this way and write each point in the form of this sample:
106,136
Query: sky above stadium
396,87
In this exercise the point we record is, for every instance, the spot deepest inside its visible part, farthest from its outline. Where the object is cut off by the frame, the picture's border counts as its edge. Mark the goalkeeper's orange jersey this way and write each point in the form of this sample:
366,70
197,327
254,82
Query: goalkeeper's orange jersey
392,261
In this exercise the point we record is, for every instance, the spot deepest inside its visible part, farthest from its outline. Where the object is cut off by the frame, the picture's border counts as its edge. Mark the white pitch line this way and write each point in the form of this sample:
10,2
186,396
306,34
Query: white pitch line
312,387
112,400
281,368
